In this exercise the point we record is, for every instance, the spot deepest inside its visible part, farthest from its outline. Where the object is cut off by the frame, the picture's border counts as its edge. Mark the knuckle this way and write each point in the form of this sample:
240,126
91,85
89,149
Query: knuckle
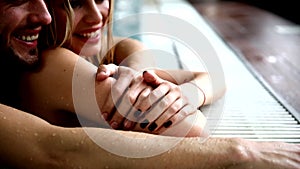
144,94
164,103
132,99
174,108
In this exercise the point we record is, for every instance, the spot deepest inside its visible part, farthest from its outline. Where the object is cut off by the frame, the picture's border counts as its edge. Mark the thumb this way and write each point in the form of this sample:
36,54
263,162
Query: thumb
152,79
104,71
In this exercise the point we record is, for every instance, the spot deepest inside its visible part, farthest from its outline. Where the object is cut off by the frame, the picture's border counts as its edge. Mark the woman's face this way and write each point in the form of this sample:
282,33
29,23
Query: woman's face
90,17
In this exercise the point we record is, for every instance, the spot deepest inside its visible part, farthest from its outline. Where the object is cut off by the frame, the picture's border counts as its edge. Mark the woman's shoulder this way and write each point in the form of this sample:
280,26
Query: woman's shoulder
58,55
58,52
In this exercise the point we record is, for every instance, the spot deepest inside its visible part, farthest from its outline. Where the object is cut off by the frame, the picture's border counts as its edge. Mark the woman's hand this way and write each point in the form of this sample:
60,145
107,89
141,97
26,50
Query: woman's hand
165,110
115,108
155,104
162,107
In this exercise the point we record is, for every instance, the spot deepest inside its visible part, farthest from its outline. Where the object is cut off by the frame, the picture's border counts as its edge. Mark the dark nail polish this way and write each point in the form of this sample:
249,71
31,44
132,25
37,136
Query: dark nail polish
144,71
152,126
144,124
168,124
137,113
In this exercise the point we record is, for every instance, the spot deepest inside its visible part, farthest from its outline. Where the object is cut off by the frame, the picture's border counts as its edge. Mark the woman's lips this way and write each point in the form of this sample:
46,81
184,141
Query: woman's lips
91,34
90,37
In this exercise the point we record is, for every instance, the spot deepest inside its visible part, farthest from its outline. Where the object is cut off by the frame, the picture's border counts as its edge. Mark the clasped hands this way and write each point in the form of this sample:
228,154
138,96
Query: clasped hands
142,101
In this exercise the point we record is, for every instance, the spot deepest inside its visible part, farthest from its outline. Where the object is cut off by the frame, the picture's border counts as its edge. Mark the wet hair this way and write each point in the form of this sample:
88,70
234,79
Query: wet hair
49,37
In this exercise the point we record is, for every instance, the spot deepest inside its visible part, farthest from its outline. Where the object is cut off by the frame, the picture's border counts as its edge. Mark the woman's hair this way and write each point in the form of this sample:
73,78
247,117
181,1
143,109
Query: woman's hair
49,37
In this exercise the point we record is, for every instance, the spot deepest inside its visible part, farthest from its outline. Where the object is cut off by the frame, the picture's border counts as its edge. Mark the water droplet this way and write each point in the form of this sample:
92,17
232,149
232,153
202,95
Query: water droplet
4,118
36,134
106,167
53,134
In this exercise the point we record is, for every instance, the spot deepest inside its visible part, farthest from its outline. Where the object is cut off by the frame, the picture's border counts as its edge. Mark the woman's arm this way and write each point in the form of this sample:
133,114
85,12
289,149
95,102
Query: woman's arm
65,85
130,52
27,141
49,90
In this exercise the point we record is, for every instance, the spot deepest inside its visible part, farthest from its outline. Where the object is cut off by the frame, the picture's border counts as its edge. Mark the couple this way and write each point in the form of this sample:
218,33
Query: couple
28,141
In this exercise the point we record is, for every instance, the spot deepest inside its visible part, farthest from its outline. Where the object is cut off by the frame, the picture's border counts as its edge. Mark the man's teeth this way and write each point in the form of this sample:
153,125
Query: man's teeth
91,35
30,38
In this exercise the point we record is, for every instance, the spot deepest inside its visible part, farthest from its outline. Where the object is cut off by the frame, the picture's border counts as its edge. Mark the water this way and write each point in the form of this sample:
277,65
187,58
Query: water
124,8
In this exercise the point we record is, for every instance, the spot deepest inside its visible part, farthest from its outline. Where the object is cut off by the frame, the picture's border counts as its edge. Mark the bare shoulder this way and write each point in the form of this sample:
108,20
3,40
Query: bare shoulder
57,52
124,42
58,55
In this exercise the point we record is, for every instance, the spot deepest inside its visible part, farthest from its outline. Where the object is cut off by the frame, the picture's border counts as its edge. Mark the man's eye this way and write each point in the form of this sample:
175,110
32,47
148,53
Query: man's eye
76,3
16,2
99,1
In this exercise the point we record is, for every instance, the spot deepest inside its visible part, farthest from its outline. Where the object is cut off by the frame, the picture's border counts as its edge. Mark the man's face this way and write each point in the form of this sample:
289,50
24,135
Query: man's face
20,24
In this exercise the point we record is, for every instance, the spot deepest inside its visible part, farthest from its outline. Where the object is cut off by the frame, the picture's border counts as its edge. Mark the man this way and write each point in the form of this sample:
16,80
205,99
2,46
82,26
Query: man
21,22
27,141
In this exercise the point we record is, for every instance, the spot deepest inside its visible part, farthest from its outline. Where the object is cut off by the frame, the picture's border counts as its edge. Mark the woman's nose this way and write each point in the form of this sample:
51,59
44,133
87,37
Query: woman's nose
93,14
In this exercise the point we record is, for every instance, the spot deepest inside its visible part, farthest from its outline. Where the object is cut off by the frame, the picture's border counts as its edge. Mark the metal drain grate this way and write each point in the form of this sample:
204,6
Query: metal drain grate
269,122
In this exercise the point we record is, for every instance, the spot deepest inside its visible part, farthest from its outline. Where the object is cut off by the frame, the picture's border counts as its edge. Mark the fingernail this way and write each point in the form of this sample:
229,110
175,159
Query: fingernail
152,126
127,124
114,125
137,113
144,124
168,124
105,115
144,71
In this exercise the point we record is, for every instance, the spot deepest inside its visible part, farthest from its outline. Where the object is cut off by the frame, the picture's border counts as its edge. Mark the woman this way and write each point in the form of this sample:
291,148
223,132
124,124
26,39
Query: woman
81,34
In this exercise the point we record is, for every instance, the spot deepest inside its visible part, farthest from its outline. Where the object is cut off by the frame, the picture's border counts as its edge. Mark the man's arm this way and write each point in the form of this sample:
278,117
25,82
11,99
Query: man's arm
29,142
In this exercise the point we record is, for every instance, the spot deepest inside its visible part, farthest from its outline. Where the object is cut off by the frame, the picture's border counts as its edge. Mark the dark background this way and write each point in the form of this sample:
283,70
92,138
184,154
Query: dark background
287,9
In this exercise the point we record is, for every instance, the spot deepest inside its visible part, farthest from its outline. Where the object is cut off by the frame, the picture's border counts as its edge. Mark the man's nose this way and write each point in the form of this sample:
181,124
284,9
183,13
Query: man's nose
39,13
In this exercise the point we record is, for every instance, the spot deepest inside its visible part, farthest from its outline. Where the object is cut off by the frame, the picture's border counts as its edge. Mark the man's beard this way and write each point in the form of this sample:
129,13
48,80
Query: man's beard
17,62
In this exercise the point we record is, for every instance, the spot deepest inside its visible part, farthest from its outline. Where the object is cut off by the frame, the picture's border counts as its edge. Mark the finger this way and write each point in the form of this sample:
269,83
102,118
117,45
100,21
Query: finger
122,108
148,98
177,118
135,112
159,92
128,125
117,90
180,115
165,119
191,125
162,105
104,71
124,78
136,87
143,102
160,110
